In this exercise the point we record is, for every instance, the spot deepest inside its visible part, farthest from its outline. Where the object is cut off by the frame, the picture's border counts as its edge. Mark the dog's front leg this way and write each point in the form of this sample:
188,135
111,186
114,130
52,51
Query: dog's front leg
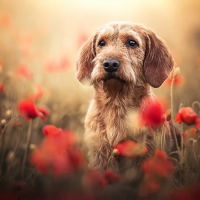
100,156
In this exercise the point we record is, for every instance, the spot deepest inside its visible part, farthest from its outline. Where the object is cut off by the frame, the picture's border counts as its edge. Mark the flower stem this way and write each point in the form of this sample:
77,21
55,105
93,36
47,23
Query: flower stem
181,128
172,99
2,152
172,116
26,148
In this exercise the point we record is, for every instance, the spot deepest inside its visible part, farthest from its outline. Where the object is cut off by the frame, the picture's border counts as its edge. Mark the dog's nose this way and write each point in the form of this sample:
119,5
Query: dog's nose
111,64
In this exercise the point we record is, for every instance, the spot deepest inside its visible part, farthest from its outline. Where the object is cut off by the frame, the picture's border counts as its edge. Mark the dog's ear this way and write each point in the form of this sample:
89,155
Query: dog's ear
84,64
158,61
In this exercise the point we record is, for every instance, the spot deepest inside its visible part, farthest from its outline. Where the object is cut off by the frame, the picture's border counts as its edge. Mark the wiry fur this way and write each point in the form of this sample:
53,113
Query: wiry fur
116,94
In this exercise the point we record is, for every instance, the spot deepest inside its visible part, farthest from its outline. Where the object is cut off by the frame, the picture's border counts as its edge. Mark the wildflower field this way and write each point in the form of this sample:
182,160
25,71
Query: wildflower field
42,105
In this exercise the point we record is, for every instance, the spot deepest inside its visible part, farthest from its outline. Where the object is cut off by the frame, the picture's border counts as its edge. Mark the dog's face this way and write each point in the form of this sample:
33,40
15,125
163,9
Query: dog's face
125,52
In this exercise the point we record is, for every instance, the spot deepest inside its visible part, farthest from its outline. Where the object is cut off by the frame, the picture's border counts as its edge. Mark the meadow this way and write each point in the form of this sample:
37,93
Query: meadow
42,105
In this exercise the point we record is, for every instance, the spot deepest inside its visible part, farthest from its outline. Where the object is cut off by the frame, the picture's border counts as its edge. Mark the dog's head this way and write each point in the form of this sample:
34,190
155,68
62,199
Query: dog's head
126,52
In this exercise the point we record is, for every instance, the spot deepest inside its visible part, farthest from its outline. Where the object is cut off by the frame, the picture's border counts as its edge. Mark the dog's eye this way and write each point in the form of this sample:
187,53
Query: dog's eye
102,43
132,44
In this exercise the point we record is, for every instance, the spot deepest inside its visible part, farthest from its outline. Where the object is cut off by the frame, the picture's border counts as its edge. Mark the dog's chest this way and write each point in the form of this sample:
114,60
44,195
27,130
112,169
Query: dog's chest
108,120
115,120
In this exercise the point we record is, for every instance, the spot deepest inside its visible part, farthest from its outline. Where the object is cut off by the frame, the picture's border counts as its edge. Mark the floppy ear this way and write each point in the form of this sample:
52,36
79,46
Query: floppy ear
158,61
84,65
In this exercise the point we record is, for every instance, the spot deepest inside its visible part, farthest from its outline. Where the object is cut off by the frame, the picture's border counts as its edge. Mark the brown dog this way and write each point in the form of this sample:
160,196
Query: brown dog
121,60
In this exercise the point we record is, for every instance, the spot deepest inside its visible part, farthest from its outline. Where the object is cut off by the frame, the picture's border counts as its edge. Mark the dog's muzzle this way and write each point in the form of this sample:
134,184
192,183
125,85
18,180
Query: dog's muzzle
111,65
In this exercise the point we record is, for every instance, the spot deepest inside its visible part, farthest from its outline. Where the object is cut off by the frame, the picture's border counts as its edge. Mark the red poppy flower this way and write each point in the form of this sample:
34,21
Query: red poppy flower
2,87
65,138
150,186
151,113
25,44
28,109
76,159
48,157
158,165
1,66
188,116
130,149
81,39
38,94
112,177
44,110
187,193
25,49
5,20
155,169
93,179
58,152
51,131
57,65
24,72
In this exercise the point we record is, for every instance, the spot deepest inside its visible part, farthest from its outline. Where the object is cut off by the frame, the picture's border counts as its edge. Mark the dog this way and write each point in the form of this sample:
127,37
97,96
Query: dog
122,61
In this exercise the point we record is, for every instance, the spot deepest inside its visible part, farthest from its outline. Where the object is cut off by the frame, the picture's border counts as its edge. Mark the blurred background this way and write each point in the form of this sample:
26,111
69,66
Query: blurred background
40,41
39,45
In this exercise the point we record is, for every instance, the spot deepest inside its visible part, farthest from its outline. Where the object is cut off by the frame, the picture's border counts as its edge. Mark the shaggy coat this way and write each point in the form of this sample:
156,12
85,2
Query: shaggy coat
137,59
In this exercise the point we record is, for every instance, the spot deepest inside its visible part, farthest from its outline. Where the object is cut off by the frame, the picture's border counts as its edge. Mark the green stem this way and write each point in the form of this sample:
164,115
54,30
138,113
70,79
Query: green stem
195,157
26,148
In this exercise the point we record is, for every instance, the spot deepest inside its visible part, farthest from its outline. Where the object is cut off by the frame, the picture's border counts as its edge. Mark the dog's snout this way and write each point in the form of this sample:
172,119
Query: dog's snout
111,64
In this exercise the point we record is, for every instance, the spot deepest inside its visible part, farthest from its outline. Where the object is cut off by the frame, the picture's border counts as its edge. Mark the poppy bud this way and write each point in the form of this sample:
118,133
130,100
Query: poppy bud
115,152
8,113
3,123
176,72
